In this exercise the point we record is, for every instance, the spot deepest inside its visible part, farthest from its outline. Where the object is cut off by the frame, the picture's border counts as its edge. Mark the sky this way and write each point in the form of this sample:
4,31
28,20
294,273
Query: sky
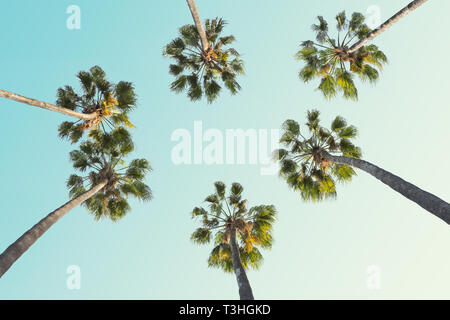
325,250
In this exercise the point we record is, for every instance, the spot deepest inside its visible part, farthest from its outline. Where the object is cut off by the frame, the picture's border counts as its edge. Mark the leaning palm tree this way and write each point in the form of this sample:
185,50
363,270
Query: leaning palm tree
313,164
328,59
101,104
110,102
236,232
103,191
337,61
202,59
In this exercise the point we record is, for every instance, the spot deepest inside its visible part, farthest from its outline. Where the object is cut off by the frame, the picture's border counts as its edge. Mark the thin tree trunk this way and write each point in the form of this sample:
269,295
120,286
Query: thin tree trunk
21,245
426,200
198,24
245,290
389,23
45,105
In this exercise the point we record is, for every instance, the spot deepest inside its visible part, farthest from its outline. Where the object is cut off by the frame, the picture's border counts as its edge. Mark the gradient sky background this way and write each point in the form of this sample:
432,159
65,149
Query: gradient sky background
321,250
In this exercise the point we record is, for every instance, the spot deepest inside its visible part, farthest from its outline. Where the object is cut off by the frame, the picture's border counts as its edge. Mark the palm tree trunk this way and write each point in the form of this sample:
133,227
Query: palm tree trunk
198,24
45,105
426,200
389,23
245,290
21,245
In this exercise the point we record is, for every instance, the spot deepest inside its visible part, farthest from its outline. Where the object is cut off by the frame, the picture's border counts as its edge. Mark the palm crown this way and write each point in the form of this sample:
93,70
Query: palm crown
198,71
111,103
334,63
104,154
302,164
224,214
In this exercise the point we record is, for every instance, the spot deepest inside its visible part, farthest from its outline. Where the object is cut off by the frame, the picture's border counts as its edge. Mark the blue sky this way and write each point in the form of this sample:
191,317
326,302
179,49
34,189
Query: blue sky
321,250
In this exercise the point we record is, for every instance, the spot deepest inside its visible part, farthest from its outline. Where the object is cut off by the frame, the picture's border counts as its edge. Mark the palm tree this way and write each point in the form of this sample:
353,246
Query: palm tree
337,61
328,59
111,103
237,232
313,164
202,59
103,191
101,102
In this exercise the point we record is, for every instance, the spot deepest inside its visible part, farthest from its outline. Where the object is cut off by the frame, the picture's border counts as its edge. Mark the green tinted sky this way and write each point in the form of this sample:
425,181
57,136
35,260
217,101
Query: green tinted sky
321,250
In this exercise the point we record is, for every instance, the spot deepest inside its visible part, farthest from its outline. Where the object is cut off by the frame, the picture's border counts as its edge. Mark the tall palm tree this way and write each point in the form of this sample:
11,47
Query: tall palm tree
202,59
337,61
103,191
328,59
110,102
313,164
101,102
237,232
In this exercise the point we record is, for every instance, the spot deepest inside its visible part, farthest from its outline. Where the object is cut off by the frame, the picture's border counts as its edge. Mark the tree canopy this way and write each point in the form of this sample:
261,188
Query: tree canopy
330,60
301,161
198,72
103,155
111,102
225,213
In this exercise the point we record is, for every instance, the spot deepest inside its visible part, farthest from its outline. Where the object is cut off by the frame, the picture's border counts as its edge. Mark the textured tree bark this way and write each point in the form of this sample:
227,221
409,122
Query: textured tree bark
198,24
245,290
389,23
45,105
426,200
21,245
